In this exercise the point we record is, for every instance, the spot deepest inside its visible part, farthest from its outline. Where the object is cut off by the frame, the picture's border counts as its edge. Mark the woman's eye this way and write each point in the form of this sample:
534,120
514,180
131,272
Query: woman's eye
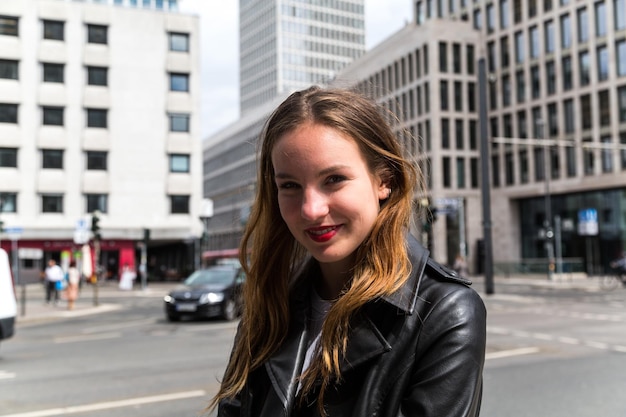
287,186
334,179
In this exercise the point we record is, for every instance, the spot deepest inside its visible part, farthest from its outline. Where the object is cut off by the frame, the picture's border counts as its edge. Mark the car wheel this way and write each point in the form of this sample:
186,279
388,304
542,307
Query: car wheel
229,310
172,317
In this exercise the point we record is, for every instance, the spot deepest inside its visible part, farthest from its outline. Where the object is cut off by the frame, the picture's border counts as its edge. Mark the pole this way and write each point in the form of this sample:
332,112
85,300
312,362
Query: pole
548,205
96,255
485,186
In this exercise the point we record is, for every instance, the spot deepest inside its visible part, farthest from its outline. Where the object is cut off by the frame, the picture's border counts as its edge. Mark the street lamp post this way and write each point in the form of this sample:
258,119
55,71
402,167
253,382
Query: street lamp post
547,223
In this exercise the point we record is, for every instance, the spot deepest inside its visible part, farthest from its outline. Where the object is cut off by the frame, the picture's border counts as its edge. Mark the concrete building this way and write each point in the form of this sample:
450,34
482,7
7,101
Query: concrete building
99,105
288,45
556,116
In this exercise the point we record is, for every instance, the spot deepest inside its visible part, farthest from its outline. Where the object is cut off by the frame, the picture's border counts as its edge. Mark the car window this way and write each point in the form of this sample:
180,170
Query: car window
211,276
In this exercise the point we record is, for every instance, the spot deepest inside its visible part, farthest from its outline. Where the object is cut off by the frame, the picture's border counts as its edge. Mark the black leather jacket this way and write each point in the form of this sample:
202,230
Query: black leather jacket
418,352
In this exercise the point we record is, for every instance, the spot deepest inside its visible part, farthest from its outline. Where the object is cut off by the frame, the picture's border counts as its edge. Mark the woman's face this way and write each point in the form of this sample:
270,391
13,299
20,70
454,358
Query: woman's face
327,195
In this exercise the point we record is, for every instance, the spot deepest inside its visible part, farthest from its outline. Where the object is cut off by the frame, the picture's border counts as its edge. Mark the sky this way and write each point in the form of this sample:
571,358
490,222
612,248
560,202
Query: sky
219,32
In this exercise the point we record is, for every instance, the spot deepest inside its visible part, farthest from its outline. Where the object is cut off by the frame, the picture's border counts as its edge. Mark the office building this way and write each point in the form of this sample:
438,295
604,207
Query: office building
556,118
287,45
99,109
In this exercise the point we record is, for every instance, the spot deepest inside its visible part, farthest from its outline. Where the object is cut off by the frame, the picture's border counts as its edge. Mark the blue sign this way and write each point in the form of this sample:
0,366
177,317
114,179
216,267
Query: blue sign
588,222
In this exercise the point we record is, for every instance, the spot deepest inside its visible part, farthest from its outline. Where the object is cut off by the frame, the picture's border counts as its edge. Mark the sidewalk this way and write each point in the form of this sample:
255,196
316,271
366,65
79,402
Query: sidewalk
31,306
577,281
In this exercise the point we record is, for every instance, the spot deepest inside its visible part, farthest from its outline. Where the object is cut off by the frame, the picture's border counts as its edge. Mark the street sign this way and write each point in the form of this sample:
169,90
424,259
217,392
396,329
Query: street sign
14,232
588,222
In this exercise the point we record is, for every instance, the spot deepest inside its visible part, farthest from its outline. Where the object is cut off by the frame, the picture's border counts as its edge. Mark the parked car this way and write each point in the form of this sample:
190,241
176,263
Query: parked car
211,292
8,305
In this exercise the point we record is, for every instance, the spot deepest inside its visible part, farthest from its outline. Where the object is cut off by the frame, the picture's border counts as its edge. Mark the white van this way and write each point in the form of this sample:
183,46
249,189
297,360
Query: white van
8,305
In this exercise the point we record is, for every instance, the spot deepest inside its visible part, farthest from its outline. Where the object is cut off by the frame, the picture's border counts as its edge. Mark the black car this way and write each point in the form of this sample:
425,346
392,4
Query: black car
210,292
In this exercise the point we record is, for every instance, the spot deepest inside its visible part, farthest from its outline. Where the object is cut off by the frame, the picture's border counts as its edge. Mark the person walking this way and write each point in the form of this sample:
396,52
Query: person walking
345,313
73,283
52,276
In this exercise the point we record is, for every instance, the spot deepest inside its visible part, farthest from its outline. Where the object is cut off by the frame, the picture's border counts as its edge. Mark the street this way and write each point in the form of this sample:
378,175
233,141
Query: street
553,350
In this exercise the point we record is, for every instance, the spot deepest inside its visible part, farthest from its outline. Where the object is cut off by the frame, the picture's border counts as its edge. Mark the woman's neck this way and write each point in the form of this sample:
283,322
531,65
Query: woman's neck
334,278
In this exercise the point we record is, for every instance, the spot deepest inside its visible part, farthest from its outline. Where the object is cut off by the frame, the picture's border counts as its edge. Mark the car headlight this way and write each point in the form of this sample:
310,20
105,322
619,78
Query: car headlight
211,298
168,299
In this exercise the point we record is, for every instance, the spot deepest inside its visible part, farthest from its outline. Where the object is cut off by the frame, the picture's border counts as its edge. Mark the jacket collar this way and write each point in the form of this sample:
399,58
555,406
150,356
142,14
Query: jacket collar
365,341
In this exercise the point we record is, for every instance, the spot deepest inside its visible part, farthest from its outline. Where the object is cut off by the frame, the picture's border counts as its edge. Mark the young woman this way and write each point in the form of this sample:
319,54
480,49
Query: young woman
345,313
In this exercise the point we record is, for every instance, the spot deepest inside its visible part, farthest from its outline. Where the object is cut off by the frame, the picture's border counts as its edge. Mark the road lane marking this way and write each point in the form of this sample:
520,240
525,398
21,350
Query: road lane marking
511,352
110,404
87,338
6,375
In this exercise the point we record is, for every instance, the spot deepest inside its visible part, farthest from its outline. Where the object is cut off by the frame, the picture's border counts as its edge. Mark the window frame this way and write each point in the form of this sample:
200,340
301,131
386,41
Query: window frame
97,34
53,72
52,116
52,158
97,118
53,29
9,69
7,23
175,159
176,119
96,161
178,41
49,200
8,157
179,204
98,76
9,113
99,202
179,77
8,202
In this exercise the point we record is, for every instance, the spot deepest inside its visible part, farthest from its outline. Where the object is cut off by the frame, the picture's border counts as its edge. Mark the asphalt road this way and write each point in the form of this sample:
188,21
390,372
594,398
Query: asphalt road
553,350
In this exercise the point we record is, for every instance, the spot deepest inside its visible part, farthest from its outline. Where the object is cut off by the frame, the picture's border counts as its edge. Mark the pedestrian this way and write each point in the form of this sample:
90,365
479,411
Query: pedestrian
460,266
53,280
345,313
73,283
127,278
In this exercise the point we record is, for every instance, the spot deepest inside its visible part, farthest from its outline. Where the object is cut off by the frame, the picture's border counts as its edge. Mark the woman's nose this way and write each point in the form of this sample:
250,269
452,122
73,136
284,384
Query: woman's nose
314,205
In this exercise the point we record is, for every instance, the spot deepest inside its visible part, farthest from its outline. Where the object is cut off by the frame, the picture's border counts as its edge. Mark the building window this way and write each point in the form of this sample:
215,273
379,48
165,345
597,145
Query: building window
8,113
179,82
586,115
534,42
566,67
622,141
568,115
96,160
460,172
522,130
458,129
523,166
9,26
506,90
458,96
566,32
97,202
504,52
8,69
517,11
621,102
179,122
471,96
604,105
474,172
445,133
603,62
53,29
520,83
179,42
8,202
491,18
179,163
447,181
97,76
600,9
97,34
519,47
491,56
606,155
495,172
179,204
53,73
583,25
553,120
504,14
8,157
570,160
52,116
471,66
588,158
456,58
507,126
535,81
549,36
97,118
584,70
443,91
473,135
620,50
509,172
52,158
619,12
51,203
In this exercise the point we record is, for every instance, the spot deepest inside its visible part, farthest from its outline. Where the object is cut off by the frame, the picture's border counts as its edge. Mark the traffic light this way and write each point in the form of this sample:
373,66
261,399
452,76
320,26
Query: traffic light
95,226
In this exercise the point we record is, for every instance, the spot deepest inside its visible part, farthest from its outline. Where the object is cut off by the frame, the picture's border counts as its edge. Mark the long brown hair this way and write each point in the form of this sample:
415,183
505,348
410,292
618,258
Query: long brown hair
381,266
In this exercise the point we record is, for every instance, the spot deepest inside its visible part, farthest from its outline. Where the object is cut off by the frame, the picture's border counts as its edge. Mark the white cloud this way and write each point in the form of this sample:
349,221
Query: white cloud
219,32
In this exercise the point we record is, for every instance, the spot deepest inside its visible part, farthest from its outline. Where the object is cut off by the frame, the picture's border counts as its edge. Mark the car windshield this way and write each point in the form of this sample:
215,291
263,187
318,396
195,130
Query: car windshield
211,276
